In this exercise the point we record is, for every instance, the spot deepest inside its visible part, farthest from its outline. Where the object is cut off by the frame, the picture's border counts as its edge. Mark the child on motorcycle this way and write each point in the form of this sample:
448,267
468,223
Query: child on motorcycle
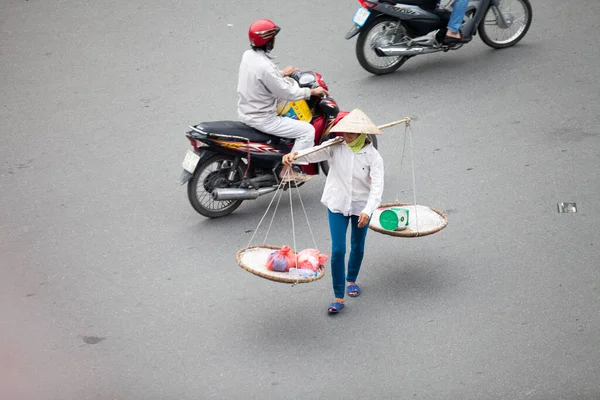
352,192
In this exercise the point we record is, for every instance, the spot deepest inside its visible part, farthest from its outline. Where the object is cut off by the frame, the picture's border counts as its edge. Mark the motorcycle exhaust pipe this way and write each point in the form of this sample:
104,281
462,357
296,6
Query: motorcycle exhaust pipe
222,194
393,51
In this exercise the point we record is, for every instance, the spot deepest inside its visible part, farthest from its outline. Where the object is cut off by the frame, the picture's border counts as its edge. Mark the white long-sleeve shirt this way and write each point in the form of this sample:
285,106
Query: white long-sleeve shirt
355,181
260,84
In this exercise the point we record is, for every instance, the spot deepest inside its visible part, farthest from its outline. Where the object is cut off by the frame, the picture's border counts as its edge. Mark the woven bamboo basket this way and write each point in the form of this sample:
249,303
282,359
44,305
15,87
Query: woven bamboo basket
254,259
423,221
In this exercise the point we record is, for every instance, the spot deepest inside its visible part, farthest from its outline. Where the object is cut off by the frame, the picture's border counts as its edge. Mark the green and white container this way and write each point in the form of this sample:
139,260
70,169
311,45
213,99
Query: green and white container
394,218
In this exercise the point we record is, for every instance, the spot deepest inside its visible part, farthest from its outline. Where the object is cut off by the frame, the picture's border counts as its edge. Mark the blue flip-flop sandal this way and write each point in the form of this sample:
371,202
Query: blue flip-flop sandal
335,307
353,291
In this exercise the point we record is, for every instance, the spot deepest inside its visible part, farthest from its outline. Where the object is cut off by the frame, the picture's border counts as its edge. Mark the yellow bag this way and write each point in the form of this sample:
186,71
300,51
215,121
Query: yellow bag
294,109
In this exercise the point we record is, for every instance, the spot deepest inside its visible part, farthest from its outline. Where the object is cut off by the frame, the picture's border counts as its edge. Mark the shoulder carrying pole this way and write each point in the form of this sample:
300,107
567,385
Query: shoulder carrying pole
340,139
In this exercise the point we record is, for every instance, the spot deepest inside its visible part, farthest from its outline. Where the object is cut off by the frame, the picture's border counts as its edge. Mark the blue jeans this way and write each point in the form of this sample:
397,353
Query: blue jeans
338,226
458,13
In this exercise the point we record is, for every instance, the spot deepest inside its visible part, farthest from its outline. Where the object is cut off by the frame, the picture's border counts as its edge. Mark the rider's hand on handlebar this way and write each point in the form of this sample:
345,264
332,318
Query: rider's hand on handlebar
319,91
289,158
287,71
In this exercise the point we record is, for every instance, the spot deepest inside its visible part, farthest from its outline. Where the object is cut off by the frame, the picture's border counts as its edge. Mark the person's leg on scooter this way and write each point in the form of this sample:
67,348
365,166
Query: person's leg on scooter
453,34
303,134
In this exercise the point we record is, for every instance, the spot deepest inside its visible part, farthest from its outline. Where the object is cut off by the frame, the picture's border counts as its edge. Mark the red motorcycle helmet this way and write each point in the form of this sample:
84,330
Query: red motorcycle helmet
261,31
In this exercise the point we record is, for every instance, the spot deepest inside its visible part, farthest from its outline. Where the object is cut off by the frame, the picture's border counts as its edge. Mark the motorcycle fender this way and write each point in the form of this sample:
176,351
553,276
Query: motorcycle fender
186,175
353,31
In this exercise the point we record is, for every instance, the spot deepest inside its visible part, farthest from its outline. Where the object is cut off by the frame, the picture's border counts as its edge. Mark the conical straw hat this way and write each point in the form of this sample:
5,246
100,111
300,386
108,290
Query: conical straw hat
356,122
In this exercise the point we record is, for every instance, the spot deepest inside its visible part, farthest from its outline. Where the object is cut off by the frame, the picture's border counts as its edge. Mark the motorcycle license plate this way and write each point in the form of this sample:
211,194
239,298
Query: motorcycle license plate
190,161
361,15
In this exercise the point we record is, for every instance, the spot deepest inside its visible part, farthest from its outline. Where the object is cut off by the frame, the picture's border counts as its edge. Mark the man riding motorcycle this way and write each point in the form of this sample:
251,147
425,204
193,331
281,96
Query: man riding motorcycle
261,84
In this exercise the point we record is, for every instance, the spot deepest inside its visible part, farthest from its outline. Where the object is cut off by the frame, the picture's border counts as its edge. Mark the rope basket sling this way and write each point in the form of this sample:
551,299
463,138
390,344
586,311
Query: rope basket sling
254,258
421,220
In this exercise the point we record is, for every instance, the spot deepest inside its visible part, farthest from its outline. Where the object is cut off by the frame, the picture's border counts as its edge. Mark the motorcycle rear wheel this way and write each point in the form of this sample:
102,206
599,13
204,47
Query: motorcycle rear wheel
211,174
520,20
379,31
325,165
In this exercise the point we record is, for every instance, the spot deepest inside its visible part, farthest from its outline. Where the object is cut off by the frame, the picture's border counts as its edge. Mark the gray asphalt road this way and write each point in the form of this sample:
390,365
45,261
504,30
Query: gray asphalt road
112,287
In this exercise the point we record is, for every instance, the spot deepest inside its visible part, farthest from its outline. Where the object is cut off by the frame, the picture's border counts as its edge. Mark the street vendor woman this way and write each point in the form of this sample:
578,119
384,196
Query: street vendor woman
352,192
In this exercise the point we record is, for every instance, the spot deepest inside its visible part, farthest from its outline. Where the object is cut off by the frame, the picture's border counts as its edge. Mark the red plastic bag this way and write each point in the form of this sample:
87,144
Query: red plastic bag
281,260
311,259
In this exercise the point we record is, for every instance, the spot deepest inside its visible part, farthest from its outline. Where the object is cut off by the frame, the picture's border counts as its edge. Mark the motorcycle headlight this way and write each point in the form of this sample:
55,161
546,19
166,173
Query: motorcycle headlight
307,79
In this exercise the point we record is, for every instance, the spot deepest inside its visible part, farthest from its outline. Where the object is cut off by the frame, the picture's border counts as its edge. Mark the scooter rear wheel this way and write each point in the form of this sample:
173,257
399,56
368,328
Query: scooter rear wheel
381,31
211,174
518,14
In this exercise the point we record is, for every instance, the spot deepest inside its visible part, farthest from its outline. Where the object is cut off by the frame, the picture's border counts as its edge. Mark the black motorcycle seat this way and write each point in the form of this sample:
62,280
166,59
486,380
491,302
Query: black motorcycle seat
236,128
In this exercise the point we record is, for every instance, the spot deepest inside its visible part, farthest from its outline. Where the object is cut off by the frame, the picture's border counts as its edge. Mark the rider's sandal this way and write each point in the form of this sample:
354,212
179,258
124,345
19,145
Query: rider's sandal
296,178
449,40
452,40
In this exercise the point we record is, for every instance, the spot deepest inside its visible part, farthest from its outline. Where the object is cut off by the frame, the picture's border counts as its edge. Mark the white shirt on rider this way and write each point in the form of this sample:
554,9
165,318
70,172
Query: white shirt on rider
260,84
355,181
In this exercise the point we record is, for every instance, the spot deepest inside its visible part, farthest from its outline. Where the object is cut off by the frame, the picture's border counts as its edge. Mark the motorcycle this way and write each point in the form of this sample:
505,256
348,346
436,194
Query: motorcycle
391,32
232,162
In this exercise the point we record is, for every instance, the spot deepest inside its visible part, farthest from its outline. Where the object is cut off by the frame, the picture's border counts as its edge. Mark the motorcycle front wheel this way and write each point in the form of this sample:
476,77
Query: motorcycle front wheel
517,14
325,165
381,31
211,174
